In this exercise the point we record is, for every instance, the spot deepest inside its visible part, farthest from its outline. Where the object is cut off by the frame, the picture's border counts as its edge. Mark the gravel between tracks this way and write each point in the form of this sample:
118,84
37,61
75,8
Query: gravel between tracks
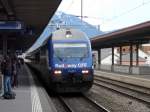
116,102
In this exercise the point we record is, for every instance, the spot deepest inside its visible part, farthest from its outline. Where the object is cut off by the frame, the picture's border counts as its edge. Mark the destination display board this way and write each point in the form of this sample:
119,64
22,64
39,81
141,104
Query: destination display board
11,25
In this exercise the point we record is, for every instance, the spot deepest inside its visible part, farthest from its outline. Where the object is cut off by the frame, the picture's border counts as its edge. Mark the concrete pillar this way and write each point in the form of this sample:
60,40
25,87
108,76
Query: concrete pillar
4,45
120,55
137,54
112,66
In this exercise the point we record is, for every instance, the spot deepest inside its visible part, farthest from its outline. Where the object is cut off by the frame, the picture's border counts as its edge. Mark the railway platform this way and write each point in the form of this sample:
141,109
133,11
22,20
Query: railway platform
30,96
139,80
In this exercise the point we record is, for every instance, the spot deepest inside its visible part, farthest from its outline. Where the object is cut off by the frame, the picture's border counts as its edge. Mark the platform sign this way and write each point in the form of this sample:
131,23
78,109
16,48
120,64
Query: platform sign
10,25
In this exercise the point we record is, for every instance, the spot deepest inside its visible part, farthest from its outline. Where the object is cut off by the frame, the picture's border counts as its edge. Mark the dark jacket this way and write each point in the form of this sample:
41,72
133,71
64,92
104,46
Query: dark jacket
6,68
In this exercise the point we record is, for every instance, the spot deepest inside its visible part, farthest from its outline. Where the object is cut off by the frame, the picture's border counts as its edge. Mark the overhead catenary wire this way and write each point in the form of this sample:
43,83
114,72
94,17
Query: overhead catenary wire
128,11
71,3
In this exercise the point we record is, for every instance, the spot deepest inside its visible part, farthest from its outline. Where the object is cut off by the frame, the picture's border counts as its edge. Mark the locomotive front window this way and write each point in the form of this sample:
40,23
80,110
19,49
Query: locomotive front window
70,50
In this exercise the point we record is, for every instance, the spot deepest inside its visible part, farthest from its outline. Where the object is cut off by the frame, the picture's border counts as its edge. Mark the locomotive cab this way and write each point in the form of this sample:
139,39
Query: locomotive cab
65,61
71,60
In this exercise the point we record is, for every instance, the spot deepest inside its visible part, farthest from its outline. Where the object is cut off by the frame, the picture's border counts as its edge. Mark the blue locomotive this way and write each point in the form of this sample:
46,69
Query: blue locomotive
65,61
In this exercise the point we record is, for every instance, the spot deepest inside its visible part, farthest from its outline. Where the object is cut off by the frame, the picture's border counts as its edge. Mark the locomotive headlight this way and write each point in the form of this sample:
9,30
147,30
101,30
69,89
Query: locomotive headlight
68,34
85,71
57,72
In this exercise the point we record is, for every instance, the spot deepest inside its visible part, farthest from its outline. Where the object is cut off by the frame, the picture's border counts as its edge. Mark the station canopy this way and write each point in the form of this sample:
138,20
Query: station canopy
137,34
32,15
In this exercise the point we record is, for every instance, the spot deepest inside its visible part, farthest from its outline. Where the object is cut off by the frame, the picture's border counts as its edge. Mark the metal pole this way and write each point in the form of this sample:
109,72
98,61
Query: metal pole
112,66
112,55
98,27
81,10
137,54
2,85
99,58
4,45
131,58
131,55
120,55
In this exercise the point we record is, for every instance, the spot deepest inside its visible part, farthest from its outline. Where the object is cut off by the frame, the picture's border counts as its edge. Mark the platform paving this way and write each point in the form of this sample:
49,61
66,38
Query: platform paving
27,96
140,80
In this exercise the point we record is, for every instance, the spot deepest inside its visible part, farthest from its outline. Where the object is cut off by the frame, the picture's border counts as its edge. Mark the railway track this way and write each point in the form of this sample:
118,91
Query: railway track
73,102
100,107
81,103
65,105
139,93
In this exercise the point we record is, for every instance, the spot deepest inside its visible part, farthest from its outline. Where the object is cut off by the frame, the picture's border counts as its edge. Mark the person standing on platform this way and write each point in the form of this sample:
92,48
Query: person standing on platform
7,72
14,72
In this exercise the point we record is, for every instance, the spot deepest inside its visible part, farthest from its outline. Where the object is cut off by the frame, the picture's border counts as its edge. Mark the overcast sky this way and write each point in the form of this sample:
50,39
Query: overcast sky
110,14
